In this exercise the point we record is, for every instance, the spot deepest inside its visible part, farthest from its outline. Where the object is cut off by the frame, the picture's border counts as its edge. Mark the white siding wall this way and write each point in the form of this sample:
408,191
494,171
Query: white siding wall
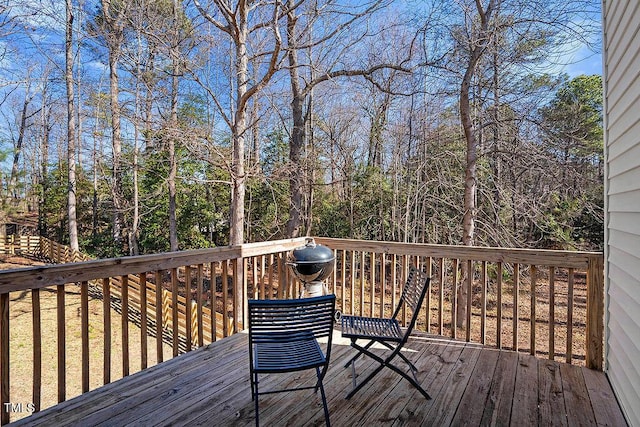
622,154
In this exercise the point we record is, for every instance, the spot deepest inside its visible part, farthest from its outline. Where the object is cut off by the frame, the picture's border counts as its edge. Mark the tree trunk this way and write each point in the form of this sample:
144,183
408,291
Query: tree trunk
13,179
173,135
44,149
115,38
173,167
71,131
297,140
236,236
478,44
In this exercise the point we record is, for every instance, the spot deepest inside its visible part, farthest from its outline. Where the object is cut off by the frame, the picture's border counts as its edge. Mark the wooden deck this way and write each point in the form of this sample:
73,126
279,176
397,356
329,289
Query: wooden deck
470,385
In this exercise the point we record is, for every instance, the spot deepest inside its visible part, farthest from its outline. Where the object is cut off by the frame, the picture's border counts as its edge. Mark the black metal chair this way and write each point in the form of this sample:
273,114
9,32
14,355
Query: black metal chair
388,333
283,337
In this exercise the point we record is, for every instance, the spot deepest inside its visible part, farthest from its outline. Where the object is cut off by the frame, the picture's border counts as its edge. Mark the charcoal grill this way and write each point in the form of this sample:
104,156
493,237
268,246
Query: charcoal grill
312,263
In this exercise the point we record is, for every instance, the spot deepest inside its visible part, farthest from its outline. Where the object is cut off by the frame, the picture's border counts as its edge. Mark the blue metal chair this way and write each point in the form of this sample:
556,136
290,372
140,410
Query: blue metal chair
283,337
388,333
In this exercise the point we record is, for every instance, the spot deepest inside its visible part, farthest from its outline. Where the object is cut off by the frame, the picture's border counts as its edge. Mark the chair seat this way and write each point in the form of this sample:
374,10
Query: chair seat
273,357
371,327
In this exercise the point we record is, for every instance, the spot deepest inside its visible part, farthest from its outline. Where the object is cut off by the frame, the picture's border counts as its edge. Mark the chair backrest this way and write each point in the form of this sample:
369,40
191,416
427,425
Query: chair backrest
413,295
291,319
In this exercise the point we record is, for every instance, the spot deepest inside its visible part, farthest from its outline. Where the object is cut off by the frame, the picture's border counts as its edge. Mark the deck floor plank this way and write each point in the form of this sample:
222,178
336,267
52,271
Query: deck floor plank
524,411
576,396
552,411
474,398
469,385
497,410
602,399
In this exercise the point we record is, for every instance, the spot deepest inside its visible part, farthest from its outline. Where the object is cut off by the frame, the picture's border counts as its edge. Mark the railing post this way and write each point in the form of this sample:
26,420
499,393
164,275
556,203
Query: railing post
595,313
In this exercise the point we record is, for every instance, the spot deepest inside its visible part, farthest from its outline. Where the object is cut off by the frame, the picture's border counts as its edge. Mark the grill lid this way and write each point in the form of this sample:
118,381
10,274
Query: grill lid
311,253
311,262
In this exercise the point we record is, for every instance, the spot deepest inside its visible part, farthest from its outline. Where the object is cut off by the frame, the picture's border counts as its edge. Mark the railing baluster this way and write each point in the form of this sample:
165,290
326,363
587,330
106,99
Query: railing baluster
282,280
534,278
454,298
106,324
373,283
343,277
441,266
362,281
225,297
254,278
239,267
84,313
428,296
187,306
353,283
62,361
483,303
4,357
124,294
174,312
214,301
142,278
270,295
552,312
469,297
383,282
159,316
200,304
405,275
570,316
334,274
37,348
499,307
516,302
262,275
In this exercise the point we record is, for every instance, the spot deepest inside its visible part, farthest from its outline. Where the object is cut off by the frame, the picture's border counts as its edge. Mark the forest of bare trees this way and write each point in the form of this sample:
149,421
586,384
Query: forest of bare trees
141,126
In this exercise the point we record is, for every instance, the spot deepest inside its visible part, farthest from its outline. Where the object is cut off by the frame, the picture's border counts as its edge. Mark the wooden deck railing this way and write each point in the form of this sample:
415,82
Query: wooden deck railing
547,303
208,279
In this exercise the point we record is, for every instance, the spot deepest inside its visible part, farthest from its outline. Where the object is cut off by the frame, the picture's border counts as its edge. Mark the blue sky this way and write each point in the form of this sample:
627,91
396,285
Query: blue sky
586,62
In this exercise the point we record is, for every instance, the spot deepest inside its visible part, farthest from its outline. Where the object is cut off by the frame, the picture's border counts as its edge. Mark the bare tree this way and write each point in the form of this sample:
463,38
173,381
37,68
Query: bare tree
71,130
301,39
237,26
113,20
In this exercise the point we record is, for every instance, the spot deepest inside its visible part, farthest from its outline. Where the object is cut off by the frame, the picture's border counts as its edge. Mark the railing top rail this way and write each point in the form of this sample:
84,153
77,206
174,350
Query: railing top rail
555,258
58,274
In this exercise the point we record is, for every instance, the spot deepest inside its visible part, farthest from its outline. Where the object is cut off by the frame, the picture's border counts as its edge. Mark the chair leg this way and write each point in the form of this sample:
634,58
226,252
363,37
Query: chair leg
253,387
324,399
255,401
383,363
353,344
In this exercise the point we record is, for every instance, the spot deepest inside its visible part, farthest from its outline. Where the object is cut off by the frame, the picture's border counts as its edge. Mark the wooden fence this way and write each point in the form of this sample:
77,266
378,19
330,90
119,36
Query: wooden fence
547,303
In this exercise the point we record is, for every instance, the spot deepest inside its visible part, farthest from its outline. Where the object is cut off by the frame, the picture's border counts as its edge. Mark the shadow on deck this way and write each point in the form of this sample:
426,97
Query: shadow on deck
470,385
